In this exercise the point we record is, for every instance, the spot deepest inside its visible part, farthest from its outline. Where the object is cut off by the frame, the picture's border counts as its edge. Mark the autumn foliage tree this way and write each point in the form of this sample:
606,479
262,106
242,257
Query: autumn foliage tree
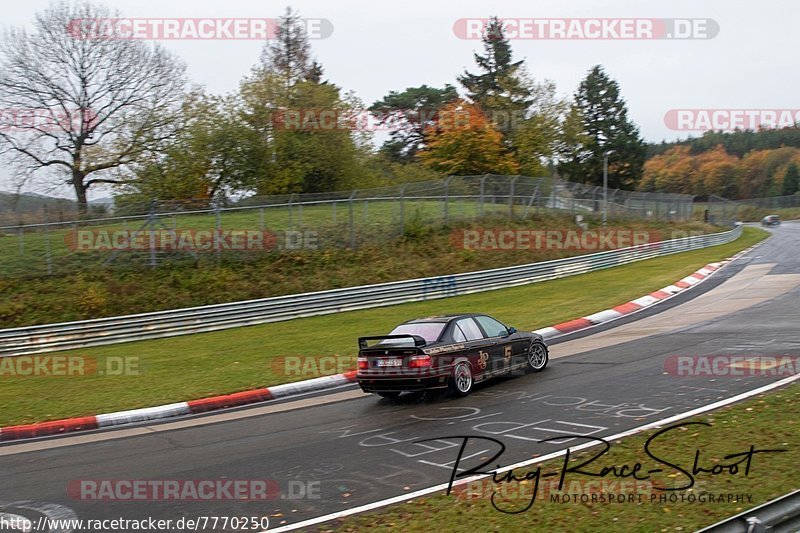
464,142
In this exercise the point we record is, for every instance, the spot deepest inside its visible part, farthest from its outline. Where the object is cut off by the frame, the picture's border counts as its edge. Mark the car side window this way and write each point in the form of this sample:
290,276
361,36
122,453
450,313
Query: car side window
492,327
458,335
471,330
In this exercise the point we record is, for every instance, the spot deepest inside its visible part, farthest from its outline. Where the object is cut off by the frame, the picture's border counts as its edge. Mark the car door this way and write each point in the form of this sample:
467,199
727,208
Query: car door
506,347
480,352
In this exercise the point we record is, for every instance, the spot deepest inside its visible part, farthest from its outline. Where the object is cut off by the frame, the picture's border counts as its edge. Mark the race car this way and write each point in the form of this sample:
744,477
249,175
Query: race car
771,220
449,351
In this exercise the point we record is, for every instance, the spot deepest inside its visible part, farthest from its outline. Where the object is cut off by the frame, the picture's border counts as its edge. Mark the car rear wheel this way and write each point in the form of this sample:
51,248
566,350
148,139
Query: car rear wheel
461,382
392,394
537,357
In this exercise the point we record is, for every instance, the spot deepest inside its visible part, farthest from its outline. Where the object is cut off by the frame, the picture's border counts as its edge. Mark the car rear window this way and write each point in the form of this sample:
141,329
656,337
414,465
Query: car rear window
429,331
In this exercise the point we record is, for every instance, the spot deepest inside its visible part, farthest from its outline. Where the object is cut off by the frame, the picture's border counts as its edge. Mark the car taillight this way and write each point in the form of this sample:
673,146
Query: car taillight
419,361
363,364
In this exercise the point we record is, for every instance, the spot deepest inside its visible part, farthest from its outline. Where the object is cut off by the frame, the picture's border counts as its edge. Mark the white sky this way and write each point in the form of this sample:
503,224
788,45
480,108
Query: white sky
380,46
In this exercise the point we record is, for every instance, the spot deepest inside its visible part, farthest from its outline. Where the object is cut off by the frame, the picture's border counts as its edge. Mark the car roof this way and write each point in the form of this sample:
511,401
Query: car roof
442,318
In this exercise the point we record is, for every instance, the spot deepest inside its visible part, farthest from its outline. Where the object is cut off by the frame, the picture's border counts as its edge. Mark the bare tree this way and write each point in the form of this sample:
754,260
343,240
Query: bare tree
79,105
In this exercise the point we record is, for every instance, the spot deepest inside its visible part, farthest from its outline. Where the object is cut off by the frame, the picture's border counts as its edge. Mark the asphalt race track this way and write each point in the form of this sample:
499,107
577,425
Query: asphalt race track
355,449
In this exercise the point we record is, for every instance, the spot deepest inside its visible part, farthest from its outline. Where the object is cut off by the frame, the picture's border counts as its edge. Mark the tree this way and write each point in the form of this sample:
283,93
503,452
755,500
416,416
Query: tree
409,113
536,138
605,128
102,102
306,154
212,153
464,142
791,180
501,86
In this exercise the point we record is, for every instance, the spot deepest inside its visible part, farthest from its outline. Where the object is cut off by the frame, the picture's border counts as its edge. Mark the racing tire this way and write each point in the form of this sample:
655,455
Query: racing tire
461,382
537,357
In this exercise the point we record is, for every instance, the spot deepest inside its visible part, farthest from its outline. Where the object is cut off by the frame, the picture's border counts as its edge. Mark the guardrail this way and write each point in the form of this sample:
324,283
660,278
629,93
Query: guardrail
776,516
162,324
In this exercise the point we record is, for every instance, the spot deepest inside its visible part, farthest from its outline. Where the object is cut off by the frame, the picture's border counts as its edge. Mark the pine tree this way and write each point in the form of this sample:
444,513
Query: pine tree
415,108
501,86
791,180
605,128
289,53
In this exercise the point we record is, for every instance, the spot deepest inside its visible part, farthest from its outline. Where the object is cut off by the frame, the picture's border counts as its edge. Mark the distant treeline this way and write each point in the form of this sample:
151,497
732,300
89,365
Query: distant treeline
737,143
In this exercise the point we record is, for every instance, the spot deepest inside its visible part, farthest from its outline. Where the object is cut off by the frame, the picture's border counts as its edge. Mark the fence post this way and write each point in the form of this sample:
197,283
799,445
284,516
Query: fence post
261,218
48,255
352,219
217,232
511,194
483,192
21,238
402,208
333,205
291,222
151,223
446,197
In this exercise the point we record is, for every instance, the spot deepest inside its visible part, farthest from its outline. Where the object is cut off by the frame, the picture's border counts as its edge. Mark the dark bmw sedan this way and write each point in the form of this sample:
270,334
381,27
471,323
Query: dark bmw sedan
450,351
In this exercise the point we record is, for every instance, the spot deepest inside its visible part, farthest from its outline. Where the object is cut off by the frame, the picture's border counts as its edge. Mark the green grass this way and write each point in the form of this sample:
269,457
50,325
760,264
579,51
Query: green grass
769,420
424,250
196,366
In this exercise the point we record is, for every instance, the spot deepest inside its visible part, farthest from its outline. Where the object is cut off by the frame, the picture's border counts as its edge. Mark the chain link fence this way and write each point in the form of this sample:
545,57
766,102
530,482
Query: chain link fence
722,211
137,235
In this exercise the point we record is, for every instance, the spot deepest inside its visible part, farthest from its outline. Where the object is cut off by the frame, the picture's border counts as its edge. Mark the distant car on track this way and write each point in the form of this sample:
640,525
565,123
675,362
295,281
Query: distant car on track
771,220
449,351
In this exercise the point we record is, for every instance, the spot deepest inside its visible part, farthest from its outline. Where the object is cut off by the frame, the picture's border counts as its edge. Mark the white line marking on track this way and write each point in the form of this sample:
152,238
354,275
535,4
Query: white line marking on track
522,464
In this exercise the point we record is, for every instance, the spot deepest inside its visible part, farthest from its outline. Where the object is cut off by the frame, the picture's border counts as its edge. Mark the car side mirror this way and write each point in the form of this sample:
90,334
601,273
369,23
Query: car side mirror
511,331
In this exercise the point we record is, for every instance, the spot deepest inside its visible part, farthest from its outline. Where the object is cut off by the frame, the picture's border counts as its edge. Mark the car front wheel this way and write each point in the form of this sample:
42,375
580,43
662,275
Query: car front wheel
461,382
537,357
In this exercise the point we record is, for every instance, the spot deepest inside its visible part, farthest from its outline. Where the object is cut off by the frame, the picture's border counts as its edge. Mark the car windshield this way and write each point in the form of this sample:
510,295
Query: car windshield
429,331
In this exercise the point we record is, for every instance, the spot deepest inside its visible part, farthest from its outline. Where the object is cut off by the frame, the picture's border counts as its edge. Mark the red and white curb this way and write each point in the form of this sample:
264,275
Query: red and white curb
203,405
638,304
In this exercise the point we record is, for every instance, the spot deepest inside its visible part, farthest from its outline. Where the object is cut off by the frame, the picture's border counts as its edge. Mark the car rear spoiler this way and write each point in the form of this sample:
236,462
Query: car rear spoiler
418,341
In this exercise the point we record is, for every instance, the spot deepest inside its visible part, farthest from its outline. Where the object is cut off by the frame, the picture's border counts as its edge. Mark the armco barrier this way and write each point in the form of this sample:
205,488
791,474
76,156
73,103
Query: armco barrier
162,324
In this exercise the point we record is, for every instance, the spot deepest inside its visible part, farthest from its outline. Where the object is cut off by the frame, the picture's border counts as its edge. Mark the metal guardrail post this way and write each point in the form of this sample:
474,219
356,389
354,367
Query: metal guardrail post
780,514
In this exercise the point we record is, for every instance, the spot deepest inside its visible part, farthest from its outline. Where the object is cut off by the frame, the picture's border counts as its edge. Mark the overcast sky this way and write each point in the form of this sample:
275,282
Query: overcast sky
377,46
